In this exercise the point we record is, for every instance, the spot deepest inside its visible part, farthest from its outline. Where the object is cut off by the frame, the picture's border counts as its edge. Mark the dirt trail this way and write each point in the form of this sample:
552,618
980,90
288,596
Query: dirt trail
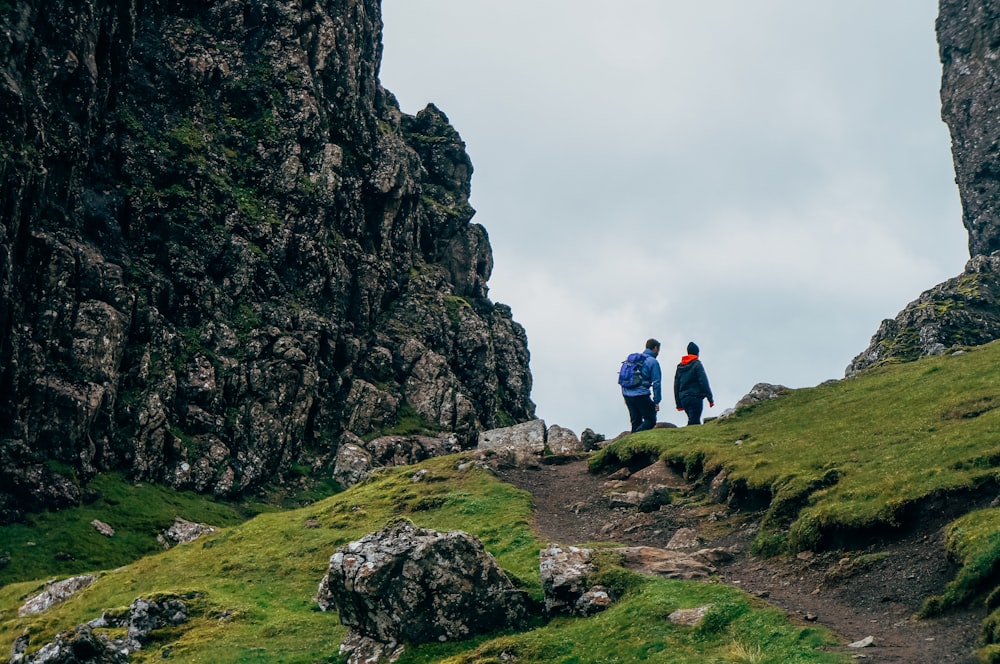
875,592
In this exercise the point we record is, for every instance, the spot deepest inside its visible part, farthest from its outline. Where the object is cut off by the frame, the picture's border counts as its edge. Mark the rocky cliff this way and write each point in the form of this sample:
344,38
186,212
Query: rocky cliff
964,310
223,248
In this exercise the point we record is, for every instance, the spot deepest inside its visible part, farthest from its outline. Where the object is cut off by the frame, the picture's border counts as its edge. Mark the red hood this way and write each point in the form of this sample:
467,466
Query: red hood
688,358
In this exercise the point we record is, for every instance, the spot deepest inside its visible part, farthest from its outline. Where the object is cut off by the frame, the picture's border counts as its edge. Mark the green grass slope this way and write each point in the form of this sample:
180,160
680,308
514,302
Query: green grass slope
249,588
834,464
849,457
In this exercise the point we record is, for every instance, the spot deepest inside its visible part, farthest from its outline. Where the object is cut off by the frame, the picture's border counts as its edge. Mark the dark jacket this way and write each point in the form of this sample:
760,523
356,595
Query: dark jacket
691,381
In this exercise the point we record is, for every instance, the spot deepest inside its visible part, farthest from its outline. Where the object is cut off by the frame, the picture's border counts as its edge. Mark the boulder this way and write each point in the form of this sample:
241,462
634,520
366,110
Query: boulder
590,440
718,490
626,498
684,538
521,444
147,615
405,584
657,474
103,528
759,393
564,574
55,593
596,599
352,465
183,531
689,617
561,440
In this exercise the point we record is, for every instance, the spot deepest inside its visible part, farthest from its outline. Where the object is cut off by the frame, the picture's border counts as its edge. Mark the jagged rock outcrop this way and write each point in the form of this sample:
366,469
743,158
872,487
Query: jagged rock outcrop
183,531
55,592
963,310
357,459
222,246
405,584
565,574
81,645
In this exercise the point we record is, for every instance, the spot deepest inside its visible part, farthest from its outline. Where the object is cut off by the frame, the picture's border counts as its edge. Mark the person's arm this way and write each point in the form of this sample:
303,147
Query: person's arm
655,381
706,388
677,390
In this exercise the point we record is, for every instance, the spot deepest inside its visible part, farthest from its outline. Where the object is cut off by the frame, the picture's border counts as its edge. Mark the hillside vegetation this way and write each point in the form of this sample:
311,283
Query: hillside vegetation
848,462
249,588
827,467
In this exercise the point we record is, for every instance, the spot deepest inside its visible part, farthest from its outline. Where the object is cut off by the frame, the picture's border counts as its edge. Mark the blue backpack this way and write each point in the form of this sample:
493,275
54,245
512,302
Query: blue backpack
630,374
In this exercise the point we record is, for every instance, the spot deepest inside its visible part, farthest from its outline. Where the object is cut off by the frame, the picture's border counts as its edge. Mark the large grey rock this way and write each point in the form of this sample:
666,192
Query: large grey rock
565,572
522,443
590,440
55,592
353,464
561,440
183,531
146,616
760,393
408,584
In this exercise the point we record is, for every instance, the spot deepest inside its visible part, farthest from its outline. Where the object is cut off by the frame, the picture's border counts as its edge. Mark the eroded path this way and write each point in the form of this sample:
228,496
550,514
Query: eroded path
856,594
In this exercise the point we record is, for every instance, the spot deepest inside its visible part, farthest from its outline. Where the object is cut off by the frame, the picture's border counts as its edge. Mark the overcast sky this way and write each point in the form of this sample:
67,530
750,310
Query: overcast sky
768,178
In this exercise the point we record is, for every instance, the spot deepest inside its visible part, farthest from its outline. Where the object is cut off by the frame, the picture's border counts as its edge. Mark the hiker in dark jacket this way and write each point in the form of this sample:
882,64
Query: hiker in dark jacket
691,385
641,408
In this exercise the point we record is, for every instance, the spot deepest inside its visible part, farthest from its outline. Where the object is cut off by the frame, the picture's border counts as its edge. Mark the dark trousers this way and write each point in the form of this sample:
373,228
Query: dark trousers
693,408
641,412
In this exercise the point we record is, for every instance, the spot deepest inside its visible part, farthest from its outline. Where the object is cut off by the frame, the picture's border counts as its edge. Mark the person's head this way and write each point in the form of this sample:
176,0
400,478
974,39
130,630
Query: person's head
653,345
692,348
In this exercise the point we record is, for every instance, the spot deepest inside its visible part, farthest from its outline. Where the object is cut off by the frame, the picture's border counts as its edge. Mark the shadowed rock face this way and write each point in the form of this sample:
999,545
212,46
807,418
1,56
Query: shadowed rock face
962,310
969,42
223,246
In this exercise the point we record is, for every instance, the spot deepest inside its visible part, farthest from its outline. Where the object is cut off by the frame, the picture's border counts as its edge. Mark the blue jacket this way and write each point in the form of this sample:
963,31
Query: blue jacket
650,378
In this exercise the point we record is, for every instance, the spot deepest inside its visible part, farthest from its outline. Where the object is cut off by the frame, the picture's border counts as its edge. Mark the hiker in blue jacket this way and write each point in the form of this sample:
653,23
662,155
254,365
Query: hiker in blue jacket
641,408
691,386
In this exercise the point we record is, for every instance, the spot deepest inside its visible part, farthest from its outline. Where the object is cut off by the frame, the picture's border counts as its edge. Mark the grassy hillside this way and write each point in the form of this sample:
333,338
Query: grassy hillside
827,466
834,465
249,587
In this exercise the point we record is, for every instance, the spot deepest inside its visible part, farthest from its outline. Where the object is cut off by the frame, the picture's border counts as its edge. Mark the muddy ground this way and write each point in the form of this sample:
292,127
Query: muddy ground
873,592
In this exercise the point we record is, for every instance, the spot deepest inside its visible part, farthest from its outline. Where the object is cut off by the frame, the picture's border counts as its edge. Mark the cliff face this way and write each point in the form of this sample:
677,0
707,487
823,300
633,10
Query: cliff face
964,310
224,247
969,41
